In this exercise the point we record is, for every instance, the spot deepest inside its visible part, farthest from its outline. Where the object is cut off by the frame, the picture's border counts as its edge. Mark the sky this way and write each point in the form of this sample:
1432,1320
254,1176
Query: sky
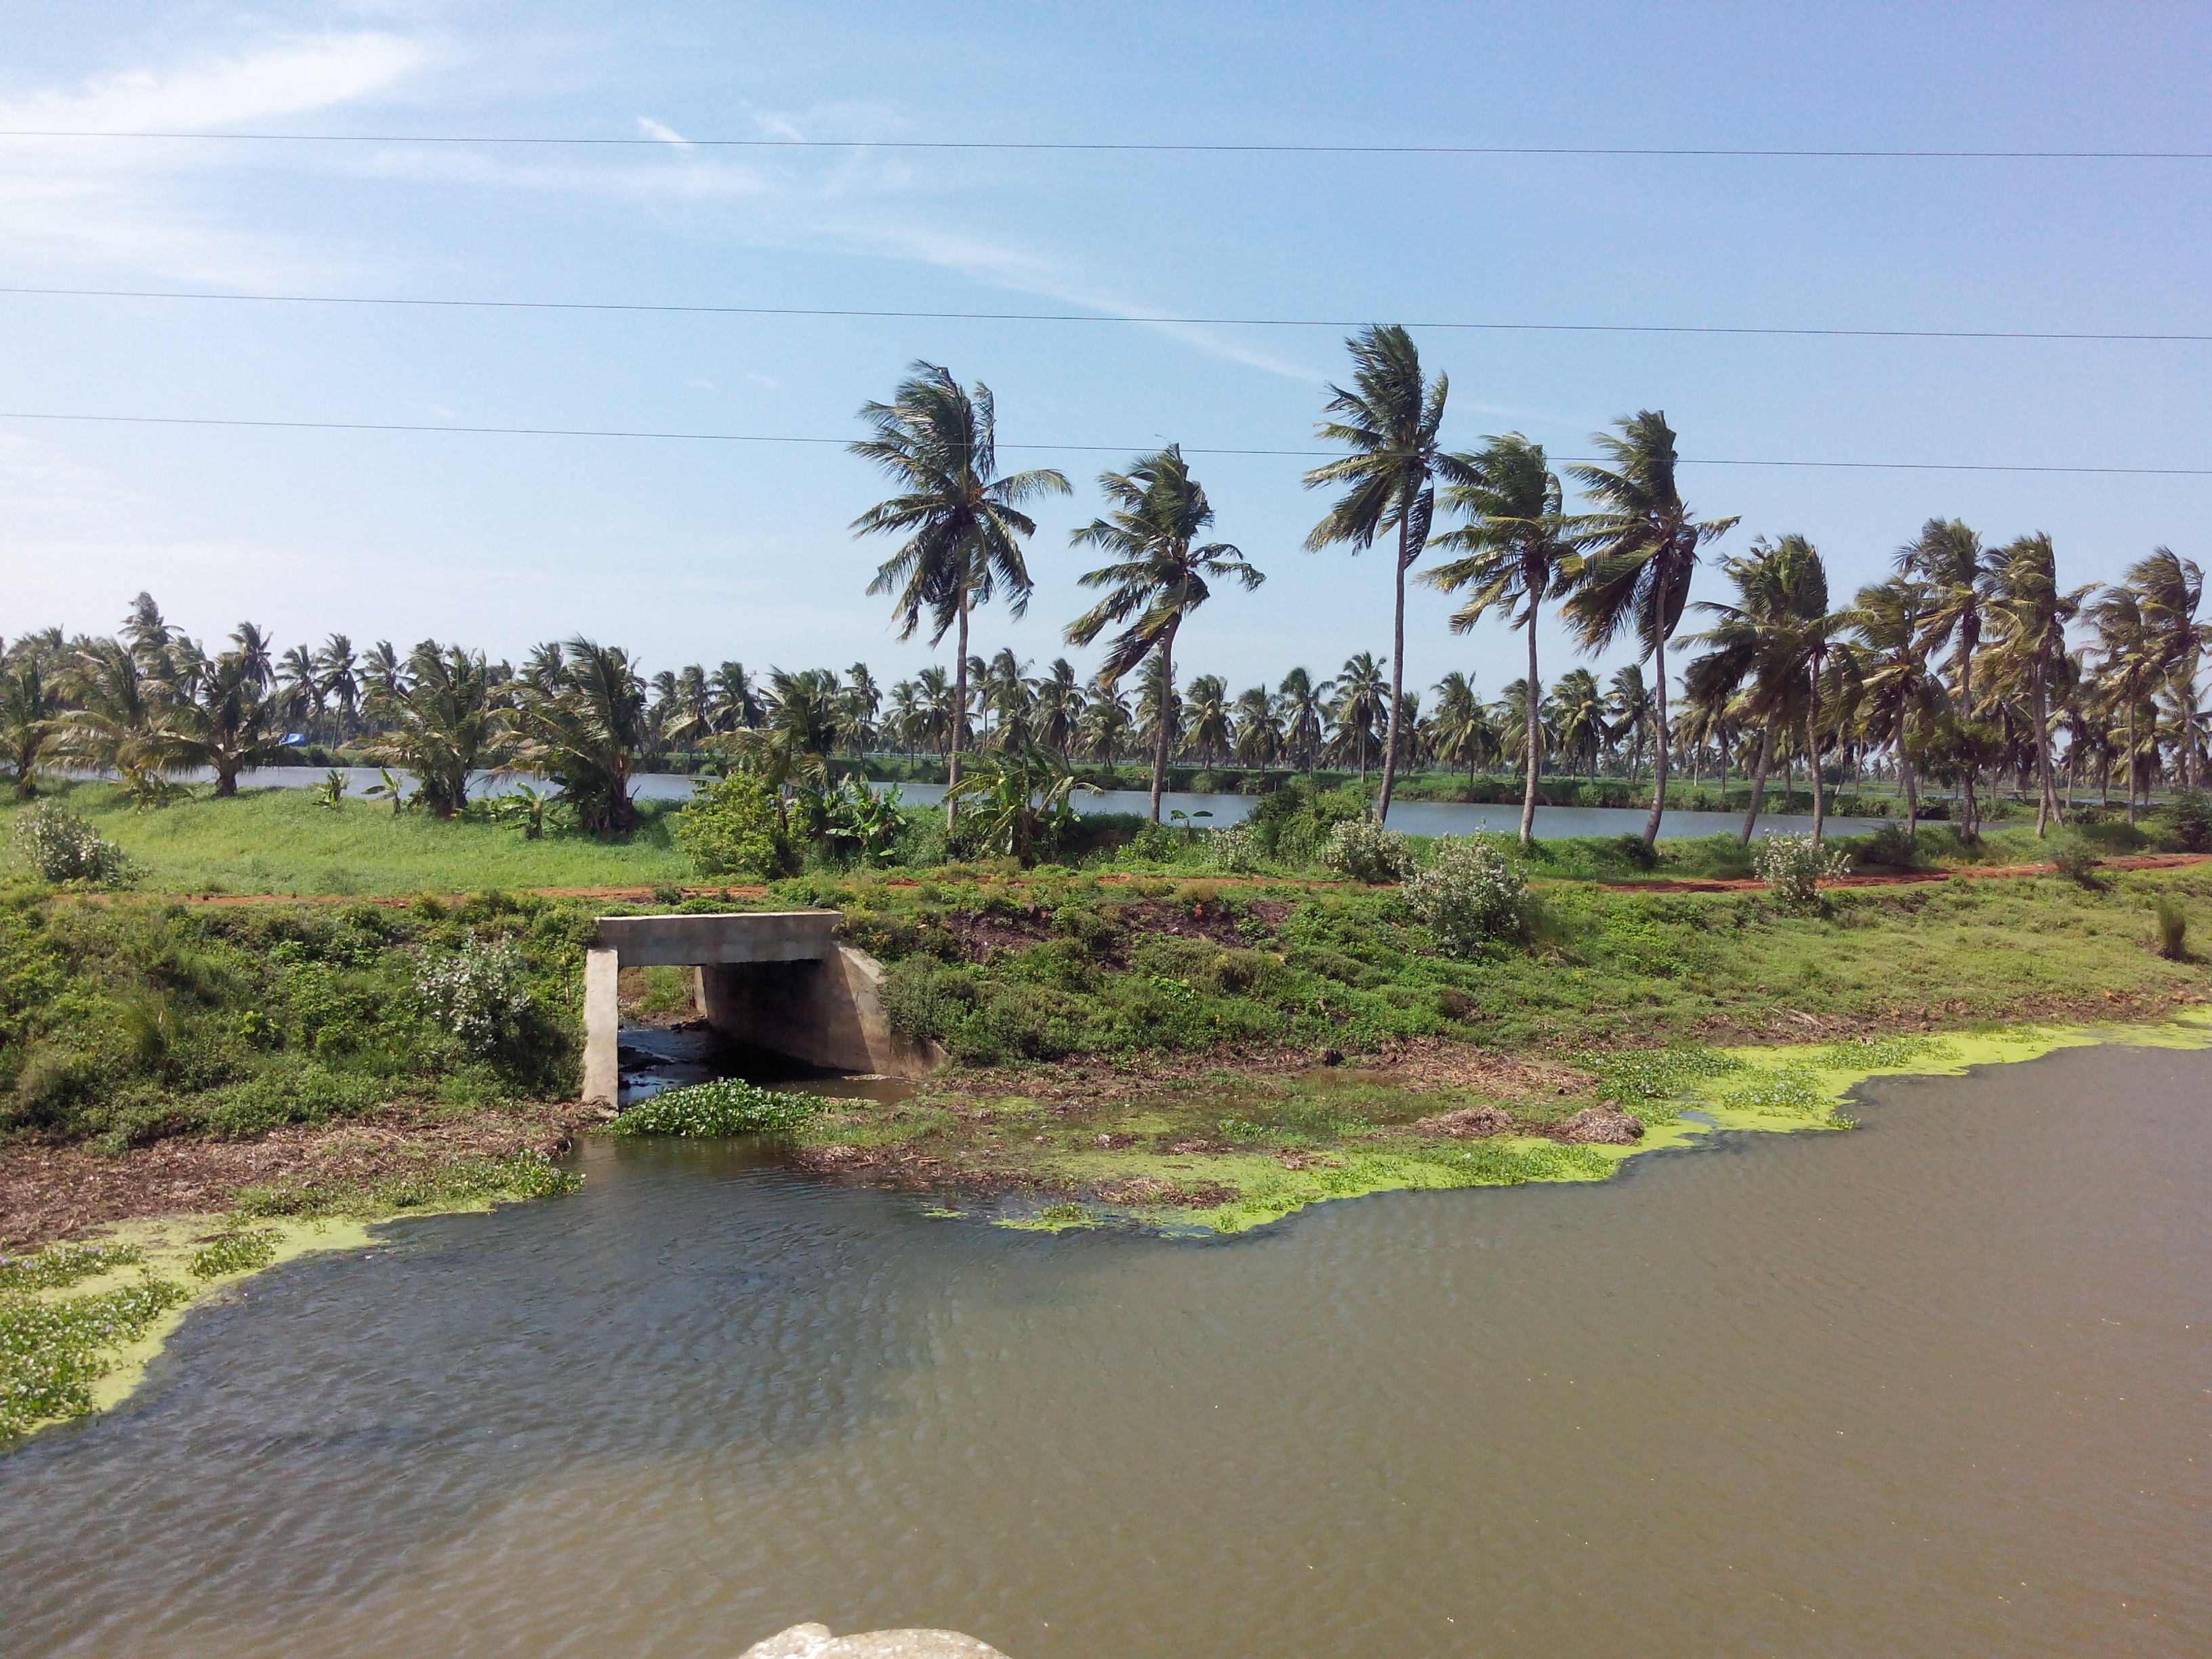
692,551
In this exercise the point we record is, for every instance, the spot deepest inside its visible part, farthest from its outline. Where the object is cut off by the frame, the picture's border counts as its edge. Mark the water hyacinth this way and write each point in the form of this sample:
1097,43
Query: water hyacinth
724,1106
52,1352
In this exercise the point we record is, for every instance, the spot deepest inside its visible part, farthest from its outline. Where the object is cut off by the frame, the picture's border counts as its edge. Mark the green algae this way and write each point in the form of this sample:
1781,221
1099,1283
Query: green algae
1683,1096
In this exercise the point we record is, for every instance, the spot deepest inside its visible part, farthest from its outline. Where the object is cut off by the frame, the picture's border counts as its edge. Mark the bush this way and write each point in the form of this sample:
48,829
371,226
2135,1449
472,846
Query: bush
1234,850
1361,850
724,1106
1470,895
1793,868
732,828
2172,928
2076,858
61,847
476,994
2188,823
1891,847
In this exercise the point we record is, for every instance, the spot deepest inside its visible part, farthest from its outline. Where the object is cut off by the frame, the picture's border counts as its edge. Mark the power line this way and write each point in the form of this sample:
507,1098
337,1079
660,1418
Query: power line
1102,449
1681,152
1094,317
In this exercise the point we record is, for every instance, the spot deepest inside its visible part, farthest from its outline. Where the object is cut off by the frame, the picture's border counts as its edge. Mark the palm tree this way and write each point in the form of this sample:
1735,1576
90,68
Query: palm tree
1464,734
1004,689
256,656
2032,613
937,708
121,719
736,700
1259,728
1159,572
863,699
1360,707
28,732
1639,550
1305,716
1578,715
1211,729
962,522
2171,588
1389,420
1515,553
446,719
584,732
2134,662
1900,698
339,684
1107,724
300,688
1630,702
1960,573
228,723
1059,706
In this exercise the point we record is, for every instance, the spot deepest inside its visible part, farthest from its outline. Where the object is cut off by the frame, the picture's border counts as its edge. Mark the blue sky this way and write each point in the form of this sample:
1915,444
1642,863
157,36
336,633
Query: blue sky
688,551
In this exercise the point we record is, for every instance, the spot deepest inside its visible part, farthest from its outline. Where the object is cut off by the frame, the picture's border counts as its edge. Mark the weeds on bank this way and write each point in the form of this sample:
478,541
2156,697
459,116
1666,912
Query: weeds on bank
460,1182
235,1253
52,1352
59,1265
724,1106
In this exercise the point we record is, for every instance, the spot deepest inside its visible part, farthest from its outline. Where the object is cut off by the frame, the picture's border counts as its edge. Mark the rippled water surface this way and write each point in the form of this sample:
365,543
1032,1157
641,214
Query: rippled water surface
1937,1387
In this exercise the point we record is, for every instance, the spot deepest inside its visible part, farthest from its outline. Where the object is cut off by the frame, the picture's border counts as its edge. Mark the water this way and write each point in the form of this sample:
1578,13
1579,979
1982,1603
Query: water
1937,1387
1414,818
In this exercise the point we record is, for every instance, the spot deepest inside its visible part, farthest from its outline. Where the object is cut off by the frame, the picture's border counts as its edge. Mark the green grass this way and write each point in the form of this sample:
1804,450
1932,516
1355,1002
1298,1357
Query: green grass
279,841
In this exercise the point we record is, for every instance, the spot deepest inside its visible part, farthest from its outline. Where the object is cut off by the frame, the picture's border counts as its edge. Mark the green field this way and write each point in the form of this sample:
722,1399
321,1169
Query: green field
282,840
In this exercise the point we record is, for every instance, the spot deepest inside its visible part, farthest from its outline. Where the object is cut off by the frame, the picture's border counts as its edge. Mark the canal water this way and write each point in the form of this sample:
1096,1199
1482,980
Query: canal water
1937,1387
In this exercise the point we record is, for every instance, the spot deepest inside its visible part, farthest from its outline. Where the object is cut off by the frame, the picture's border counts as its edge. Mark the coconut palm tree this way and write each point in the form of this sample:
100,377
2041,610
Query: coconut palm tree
1305,716
962,522
1362,705
446,719
228,723
256,655
1900,698
1577,711
2171,588
585,731
1960,573
1159,572
1464,734
1629,701
29,733
299,689
1637,553
1259,728
339,683
121,721
1059,706
1211,726
1514,552
1107,724
2134,655
1389,420
2031,612
737,706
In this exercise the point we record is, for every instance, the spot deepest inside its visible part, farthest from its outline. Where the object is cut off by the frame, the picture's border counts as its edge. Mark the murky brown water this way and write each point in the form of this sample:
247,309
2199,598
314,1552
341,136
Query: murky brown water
1939,1387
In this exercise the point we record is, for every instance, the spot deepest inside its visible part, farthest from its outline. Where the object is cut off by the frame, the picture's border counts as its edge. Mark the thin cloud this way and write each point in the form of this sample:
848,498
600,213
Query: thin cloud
667,134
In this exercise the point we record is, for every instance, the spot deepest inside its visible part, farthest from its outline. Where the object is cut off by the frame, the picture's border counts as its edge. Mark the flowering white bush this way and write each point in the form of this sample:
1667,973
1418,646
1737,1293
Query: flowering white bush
1234,849
1793,868
61,847
476,994
1471,893
1364,850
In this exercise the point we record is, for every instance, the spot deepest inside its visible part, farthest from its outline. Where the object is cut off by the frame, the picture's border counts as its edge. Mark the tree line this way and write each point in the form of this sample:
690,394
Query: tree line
1960,667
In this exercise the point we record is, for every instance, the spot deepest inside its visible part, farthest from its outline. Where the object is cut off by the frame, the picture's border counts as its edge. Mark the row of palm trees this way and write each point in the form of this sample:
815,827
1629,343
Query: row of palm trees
1780,662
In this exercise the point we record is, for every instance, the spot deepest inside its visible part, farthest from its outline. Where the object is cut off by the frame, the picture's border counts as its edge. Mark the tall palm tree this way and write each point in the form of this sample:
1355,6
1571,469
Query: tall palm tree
1389,420
340,682
1514,552
1107,724
1960,573
937,708
1059,706
1305,716
962,522
121,722
1259,728
1578,715
300,688
1359,708
2133,663
1900,698
1159,572
2171,588
1211,726
1639,550
1628,699
2031,612
257,657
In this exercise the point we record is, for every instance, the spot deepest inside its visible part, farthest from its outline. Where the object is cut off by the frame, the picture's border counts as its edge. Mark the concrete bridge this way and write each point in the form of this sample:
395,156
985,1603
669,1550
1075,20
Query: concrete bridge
777,980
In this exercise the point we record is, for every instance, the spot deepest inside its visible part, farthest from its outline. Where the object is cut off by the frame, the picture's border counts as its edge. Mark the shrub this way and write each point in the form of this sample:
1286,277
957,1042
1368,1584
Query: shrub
1234,850
2172,928
61,847
1471,894
2188,823
476,994
732,828
724,1106
1361,850
2076,858
1793,868
1891,847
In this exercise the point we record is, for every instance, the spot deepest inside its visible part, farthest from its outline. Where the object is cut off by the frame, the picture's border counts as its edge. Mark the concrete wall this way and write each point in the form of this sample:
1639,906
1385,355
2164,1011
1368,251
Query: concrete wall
828,1012
777,980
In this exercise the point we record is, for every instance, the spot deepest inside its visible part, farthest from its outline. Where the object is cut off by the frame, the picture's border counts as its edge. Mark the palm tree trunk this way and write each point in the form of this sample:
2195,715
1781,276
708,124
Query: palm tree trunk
1160,751
1908,784
1660,750
1813,758
2047,806
959,717
1759,781
1397,677
1535,741
2132,763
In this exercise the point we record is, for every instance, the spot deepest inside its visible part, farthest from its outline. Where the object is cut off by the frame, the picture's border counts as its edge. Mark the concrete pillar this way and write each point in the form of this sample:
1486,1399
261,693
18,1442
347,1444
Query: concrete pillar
828,1012
602,1026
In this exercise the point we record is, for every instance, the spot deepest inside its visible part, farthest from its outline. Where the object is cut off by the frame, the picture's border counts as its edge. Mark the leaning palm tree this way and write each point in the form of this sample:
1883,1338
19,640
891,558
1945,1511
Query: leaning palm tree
1515,552
1159,573
2171,588
962,522
1389,420
1638,549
